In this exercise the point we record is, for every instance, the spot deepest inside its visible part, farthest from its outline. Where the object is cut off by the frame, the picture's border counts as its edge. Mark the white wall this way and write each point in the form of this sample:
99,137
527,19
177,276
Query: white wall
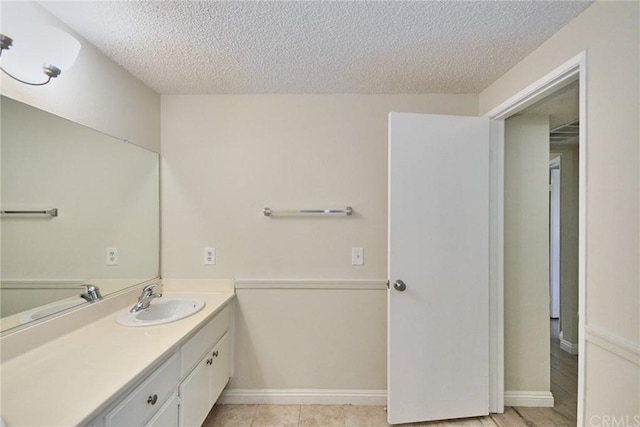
95,91
609,32
526,254
225,157
299,339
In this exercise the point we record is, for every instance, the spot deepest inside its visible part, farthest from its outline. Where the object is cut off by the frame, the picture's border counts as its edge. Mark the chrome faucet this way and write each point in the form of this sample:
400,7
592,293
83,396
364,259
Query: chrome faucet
92,294
145,298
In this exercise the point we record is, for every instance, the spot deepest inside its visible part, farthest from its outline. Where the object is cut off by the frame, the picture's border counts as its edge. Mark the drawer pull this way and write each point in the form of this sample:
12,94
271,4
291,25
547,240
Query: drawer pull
152,399
215,353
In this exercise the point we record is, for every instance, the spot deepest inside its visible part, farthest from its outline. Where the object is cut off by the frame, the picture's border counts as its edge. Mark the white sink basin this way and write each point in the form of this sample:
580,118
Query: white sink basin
161,311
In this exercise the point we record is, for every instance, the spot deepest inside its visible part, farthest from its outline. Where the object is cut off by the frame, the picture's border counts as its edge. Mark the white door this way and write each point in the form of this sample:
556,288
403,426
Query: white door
438,342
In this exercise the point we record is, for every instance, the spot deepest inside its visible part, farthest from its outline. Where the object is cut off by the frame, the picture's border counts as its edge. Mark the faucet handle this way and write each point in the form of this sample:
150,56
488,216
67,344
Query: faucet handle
146,296
150,288
93,293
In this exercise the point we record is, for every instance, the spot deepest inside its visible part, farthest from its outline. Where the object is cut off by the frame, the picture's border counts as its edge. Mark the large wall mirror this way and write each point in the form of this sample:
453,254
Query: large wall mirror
106,232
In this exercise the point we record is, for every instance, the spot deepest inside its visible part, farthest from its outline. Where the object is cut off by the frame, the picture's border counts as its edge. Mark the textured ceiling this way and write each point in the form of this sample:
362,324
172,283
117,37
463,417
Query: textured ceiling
189,47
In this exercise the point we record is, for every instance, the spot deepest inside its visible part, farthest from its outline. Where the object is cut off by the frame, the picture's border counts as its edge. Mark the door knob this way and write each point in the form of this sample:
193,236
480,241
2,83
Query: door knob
399,285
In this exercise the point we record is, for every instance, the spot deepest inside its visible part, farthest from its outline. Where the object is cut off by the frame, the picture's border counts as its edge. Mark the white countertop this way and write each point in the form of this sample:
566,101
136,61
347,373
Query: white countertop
71,379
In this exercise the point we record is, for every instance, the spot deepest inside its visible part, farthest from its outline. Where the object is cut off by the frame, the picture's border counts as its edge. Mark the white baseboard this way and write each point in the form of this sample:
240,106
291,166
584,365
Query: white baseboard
304,397
568,346
354,397
538,399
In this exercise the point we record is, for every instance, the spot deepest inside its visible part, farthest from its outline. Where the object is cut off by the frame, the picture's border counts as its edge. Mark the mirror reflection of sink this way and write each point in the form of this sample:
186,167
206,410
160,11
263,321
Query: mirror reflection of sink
48,310
161,311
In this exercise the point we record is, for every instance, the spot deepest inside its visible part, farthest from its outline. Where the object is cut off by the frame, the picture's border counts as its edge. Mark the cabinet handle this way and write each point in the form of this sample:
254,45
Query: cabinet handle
152,399
215,353
209,361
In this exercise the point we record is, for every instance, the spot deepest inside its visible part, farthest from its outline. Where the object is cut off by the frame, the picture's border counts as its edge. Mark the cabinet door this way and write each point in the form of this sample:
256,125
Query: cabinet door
196,395
167,416
221,371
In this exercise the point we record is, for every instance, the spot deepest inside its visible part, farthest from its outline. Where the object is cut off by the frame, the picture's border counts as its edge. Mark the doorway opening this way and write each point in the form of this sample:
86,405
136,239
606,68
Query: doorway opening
574,70
556,168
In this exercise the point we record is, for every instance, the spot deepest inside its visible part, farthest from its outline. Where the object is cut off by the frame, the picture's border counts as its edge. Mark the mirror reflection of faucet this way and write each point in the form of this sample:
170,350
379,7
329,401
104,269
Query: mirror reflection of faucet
93,293
144,300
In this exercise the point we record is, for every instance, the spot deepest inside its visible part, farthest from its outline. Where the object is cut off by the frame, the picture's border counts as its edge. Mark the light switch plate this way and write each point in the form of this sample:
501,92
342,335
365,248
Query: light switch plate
357,256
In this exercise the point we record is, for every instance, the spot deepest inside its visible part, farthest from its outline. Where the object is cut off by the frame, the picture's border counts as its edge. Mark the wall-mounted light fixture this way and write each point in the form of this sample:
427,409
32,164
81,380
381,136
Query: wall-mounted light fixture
43,49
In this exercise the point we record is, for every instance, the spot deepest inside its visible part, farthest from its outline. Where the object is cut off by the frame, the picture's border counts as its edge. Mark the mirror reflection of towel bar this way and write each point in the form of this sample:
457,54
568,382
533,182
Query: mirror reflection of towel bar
347,211
51,212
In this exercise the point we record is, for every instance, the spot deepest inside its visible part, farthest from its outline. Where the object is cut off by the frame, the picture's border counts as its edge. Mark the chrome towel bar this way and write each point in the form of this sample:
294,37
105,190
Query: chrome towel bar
347,211
51,212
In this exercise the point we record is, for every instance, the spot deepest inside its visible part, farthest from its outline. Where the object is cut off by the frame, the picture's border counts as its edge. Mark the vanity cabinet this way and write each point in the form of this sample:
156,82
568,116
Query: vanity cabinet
184,387
200,390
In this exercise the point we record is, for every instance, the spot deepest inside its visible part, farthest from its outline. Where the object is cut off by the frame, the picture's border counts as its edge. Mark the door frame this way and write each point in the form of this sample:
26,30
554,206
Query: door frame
573,69
555,165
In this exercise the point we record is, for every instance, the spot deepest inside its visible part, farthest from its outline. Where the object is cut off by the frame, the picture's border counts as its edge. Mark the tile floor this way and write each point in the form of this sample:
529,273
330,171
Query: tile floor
316,416
366,416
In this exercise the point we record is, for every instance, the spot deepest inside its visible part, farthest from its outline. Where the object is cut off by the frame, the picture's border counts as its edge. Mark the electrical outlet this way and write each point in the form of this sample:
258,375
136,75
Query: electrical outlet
357,256
209,256
112,256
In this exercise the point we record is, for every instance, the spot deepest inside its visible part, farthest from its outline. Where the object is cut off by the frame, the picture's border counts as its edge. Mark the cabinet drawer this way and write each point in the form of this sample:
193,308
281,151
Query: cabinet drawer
147,398
195,348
